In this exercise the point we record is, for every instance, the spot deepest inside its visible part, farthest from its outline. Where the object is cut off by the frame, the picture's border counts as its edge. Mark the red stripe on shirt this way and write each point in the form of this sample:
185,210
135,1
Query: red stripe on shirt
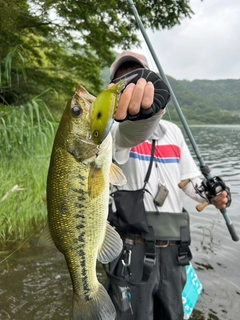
165,151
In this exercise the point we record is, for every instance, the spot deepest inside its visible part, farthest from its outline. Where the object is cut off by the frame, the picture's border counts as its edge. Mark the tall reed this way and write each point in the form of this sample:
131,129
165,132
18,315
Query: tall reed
26,137
14,57
26,129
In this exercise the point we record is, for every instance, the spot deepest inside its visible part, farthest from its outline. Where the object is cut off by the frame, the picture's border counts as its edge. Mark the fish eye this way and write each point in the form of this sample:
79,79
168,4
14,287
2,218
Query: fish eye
96,134
99,115
76,111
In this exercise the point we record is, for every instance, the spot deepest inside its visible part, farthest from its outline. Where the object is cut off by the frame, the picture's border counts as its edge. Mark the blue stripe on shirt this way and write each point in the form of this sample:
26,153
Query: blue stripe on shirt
147,158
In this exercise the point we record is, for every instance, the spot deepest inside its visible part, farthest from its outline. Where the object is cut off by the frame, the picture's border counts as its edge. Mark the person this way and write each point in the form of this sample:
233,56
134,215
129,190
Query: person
160,295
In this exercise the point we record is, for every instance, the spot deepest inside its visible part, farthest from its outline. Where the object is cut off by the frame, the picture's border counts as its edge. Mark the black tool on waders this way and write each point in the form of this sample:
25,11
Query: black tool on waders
210,180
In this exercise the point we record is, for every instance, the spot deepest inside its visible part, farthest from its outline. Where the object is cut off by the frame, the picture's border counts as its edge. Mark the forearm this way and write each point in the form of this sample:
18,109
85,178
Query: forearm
131,133
128,134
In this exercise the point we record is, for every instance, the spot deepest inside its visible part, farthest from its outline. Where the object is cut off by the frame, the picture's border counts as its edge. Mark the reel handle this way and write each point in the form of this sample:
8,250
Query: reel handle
201,206
183,183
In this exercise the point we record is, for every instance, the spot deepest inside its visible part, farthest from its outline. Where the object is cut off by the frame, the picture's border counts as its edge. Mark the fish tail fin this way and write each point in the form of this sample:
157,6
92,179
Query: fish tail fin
98,307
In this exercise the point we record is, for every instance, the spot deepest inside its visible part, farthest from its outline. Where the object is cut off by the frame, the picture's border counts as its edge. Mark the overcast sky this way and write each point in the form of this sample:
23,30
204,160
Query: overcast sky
207,46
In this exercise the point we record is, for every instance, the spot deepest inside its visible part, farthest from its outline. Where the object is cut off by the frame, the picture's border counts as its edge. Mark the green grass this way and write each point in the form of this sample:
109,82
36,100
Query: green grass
26,137
25,130
23,209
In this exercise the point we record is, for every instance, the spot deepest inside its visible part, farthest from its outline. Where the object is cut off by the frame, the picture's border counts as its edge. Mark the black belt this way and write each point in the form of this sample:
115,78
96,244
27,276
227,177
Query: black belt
158,243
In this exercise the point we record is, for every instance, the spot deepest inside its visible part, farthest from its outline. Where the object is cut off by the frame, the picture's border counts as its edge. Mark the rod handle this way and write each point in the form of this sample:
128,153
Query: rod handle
201,206
183,183
230,225
233,232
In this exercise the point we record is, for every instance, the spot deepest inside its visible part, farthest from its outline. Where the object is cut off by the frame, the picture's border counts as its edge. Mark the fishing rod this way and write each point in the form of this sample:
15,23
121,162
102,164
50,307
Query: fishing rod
215,184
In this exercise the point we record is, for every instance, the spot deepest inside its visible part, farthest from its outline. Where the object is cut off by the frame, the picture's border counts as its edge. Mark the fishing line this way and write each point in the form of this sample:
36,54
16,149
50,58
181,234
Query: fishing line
19,247
203,167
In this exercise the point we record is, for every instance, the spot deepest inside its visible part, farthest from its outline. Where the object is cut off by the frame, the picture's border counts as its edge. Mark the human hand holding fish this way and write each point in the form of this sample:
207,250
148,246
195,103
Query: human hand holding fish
133,98
103,109
126,98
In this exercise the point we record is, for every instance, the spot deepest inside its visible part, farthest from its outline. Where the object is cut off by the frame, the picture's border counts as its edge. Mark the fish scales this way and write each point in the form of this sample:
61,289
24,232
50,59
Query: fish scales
67,231
77,200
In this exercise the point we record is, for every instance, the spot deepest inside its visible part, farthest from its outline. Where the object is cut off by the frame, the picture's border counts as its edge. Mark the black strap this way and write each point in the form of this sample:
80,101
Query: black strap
149,255
148,262
149,167
150,164
184,253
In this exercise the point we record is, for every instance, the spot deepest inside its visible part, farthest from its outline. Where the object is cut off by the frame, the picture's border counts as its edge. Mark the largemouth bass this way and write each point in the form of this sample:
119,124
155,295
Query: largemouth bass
77,203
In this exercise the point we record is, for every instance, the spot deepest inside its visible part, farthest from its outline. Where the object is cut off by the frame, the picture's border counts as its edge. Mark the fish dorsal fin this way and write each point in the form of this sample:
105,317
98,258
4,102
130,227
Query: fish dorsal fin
82,92
45,239
85,96
117,177
111,247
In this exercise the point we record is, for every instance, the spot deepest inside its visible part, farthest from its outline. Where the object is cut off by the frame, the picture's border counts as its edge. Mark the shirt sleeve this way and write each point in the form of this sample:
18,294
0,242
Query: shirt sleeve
188,167
189,170
128,134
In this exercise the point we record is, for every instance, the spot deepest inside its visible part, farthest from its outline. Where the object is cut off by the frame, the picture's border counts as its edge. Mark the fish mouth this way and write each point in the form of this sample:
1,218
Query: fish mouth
87,139
107,130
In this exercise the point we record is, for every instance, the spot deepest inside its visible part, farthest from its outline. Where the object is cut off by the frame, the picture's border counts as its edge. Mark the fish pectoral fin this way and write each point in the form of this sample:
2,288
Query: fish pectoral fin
45,239
117,177
96,182
111,247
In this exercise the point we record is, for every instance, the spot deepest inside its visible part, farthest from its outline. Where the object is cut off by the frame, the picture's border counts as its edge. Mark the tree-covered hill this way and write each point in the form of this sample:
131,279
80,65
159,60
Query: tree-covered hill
222,93
207,101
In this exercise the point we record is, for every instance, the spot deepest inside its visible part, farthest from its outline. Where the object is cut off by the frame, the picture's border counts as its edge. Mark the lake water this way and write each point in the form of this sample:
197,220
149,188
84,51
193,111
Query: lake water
35,284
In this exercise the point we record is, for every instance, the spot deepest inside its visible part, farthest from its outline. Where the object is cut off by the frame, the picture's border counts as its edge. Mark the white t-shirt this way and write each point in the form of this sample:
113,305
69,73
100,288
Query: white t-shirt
172,160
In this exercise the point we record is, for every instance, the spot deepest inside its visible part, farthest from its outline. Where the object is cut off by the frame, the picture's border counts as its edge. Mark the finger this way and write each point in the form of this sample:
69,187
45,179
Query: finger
148,96
124,101
136,100
219,204
224,193
221,197
222,206
220,201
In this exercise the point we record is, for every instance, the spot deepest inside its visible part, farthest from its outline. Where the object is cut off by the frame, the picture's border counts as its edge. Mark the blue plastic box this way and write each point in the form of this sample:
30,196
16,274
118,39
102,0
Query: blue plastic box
191,291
